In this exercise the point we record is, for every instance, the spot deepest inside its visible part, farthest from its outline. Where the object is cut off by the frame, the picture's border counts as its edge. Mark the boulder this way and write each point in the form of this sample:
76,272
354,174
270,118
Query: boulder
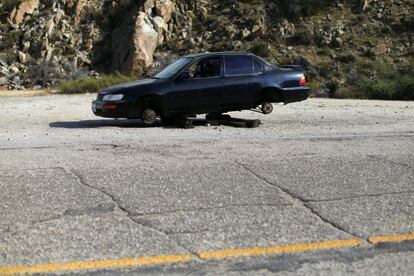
3,81
149,5
79,9
380,49
22,57
338,42
3,59
364,5
26,7
133,45
164,8
245,33
160,27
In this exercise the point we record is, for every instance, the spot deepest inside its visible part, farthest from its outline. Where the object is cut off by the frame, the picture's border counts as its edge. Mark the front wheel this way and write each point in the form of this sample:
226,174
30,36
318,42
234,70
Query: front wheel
267,108
149,117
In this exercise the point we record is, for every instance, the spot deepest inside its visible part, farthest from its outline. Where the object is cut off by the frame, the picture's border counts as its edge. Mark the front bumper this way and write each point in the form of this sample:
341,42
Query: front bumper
117,109
292,95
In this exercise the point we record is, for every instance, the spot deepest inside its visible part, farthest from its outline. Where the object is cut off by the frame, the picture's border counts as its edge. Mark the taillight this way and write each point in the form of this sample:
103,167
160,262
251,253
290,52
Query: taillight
302,81
110,106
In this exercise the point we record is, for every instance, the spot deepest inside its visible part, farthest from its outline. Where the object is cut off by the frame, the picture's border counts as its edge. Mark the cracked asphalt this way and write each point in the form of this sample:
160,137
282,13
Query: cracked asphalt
81,189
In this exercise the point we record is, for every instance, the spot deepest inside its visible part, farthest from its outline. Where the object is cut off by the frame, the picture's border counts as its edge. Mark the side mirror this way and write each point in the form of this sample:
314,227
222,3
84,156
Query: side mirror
184,76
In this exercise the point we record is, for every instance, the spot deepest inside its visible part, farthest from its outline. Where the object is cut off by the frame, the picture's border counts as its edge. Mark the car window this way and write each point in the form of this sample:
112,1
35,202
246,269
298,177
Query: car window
257,66
206,68
238,65
172,69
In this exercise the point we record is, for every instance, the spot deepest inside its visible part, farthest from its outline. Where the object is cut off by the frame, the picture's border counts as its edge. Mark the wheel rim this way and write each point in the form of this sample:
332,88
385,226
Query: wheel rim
267,108
149,117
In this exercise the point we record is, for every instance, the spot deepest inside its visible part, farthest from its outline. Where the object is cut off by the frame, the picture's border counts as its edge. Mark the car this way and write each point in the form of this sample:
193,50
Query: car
208,83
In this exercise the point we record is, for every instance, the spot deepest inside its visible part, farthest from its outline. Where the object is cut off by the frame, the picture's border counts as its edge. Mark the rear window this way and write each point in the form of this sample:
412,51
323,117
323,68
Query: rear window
238,65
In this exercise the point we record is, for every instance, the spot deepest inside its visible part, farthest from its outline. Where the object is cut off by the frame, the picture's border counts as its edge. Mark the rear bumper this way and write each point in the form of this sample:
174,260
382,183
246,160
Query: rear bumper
295,95
118,109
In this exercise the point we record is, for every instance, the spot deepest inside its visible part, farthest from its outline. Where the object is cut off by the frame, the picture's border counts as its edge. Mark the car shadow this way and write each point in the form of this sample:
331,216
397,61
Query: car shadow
235,122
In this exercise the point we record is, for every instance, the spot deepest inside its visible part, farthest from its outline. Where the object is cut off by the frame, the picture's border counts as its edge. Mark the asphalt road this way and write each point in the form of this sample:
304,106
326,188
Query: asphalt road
322,187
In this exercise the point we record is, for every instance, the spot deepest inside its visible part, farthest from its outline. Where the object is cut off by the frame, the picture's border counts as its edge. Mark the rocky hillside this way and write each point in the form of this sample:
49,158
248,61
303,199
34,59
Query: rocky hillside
342,43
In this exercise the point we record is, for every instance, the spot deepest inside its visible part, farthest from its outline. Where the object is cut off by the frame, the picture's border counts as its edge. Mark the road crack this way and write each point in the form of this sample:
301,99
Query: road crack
375,157
297,200
130,215
360,197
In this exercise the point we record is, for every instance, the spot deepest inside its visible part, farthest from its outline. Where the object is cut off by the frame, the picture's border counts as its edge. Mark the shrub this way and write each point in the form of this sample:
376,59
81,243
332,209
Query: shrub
10,39
261,48
385,82
376,89
294,9
302,37
406,88
92,85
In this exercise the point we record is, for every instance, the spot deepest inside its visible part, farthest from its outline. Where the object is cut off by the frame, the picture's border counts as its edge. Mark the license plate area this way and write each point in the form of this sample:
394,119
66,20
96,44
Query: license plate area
97,107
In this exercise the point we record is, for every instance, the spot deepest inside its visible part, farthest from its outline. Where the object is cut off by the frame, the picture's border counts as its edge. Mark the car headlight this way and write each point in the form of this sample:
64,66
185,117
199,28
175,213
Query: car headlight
113,97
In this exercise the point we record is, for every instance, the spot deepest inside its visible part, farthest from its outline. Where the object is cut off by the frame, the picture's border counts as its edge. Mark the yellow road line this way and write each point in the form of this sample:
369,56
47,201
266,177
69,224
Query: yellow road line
156,260
74,266
228,253
209,255
391,238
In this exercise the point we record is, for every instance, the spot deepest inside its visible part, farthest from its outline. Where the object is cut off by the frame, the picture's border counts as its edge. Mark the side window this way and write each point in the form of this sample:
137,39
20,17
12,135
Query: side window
257,66
206,68
238,65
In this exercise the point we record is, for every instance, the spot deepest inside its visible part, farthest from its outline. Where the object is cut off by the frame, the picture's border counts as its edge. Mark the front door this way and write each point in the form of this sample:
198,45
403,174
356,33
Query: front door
201,89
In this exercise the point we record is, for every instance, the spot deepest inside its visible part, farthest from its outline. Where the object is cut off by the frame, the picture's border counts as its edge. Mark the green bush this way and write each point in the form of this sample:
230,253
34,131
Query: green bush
10,39
385,82
92,85
294,9
302,37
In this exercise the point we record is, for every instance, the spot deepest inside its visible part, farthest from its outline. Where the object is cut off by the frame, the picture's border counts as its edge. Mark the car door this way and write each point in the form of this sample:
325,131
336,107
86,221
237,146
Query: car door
239,81
201,89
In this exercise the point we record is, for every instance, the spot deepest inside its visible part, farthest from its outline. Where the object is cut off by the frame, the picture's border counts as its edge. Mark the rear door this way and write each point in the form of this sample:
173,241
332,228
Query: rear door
239,81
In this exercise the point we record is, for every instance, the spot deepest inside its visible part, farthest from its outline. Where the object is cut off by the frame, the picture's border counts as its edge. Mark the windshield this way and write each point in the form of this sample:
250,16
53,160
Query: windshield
172,69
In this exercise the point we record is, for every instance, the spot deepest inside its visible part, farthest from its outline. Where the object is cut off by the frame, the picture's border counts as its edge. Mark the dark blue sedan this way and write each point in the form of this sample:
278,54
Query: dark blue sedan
209,83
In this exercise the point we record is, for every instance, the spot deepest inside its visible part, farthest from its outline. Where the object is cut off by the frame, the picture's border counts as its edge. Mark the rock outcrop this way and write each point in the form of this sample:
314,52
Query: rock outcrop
19,13
135,41
43,42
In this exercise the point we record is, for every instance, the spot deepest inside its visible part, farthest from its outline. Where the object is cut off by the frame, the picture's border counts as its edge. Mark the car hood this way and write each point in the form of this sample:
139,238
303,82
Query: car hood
128,85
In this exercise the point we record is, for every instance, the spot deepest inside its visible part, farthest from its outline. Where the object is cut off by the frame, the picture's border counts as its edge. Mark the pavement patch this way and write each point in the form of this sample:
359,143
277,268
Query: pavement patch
30,196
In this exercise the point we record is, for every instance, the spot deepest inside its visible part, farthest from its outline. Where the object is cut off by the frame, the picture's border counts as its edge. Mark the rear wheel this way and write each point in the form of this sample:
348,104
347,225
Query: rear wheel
149,117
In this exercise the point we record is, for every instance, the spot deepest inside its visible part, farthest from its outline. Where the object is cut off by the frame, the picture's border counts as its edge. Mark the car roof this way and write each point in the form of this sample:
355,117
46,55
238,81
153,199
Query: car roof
207,54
